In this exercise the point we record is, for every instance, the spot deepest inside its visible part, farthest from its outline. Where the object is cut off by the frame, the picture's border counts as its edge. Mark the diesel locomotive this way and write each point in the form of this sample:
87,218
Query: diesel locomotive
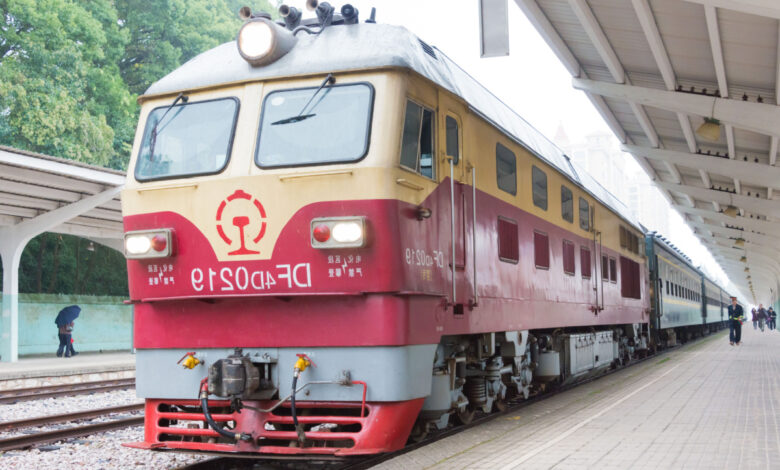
338,240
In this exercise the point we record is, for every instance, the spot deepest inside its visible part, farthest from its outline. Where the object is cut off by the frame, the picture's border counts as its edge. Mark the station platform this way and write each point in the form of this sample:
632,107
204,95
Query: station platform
52,370
704,405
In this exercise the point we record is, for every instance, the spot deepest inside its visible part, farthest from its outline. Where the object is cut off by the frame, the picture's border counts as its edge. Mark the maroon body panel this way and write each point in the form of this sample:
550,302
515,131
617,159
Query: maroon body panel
393,291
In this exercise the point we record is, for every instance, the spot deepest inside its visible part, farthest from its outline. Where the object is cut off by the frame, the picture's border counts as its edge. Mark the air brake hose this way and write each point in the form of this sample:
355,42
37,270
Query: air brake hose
204,395
292,401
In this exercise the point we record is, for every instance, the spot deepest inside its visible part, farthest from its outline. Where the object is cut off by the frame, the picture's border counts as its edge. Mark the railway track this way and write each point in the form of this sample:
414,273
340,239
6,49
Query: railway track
37,393
30,440
247,462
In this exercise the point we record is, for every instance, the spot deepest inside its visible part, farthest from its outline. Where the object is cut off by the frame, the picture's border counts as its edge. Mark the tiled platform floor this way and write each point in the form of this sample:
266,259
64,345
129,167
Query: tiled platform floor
705,405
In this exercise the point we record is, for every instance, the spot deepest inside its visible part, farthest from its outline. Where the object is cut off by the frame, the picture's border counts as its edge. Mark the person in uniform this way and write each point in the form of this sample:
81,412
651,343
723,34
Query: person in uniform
735,322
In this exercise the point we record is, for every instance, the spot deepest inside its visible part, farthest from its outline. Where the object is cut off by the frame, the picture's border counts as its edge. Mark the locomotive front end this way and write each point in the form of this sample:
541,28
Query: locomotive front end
263,251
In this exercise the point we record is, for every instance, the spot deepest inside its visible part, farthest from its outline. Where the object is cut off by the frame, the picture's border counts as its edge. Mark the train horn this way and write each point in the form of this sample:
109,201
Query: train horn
350,14
323,10
291,16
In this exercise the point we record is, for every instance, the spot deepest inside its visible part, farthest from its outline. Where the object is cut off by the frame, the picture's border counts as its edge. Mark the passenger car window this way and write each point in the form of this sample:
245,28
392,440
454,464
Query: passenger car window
506,169
584,214
332,127
585,262
189,139
508,243
453,149
568,257
539,184
567,204
541,250
417,140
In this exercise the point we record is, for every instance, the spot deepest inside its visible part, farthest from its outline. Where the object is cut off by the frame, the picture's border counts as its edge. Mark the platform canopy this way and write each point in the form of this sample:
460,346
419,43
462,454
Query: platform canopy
655,70
39,193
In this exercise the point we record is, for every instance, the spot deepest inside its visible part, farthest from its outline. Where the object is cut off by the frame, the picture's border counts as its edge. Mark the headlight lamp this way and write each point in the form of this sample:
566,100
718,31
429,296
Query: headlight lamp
261,41
155,243
338,232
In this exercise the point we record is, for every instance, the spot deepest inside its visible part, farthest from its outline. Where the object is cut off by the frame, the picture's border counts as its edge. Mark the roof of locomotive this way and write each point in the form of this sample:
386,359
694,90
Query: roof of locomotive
369,46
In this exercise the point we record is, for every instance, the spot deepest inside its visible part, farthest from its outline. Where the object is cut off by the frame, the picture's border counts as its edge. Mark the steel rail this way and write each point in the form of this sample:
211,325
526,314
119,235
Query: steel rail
22,442
68,417
36,393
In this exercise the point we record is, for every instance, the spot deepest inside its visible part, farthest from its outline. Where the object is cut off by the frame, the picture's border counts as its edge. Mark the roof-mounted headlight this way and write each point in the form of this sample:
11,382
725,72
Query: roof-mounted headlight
261,41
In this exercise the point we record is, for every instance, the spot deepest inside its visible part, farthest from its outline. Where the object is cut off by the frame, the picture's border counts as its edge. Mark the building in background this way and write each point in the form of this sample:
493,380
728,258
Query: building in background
600,155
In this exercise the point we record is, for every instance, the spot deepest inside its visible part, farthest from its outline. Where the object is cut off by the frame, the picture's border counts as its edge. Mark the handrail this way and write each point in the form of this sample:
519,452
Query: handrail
452,227
474,229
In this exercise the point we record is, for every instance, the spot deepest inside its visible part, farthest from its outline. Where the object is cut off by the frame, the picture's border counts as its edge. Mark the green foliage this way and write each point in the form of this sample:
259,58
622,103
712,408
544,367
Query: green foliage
60,88
63,264
70,70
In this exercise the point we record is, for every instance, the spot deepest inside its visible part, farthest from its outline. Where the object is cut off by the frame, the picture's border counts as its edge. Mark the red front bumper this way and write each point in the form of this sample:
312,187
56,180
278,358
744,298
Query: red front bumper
333,428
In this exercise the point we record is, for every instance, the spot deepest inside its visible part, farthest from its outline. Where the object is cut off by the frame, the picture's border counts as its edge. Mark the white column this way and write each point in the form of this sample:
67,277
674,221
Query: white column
11,248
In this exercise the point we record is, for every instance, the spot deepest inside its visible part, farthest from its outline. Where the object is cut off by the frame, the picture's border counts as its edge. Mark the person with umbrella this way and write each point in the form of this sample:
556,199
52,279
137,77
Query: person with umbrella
64,321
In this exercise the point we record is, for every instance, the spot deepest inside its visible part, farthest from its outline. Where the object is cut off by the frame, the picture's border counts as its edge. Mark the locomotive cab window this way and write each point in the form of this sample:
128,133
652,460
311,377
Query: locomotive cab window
539,185
417,141
311,126
584,214
506,169
567,204
188,139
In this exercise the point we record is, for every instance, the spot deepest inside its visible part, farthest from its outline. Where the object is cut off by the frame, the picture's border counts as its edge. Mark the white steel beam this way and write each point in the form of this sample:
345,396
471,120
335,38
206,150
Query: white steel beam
768,8
763,226
756,205
770,242
757,117
537,18
598,38
756,173
71,169
40,178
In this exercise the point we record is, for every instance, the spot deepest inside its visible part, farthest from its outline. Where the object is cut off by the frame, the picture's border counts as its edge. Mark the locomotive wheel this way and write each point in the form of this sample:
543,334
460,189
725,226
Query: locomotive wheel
465,415
500,405
419,432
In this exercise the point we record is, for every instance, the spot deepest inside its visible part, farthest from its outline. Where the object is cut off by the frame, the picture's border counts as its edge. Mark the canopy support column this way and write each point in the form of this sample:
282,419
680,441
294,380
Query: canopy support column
13,239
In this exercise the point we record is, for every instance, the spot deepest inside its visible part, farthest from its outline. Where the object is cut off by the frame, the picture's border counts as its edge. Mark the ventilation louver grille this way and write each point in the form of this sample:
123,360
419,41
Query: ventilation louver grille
427,48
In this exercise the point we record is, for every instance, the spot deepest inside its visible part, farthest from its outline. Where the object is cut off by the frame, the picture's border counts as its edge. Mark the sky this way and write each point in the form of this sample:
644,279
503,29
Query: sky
531,80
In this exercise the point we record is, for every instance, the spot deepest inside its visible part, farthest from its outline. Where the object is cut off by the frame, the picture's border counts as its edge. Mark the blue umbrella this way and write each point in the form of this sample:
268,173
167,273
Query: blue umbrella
67,315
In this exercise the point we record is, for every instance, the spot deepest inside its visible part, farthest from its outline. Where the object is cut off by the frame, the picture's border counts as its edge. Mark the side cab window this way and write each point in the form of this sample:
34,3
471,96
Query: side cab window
417,141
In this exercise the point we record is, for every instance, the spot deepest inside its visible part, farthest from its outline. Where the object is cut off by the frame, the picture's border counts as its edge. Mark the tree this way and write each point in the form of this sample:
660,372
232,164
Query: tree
60,88
166,33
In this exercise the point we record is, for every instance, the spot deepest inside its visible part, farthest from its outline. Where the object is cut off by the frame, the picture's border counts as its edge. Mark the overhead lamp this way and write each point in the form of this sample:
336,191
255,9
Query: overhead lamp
91,246
731,211
743,259
709,130
747,270
739,242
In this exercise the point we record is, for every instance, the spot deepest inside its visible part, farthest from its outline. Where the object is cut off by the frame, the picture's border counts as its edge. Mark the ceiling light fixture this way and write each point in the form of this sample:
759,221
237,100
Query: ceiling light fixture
710,130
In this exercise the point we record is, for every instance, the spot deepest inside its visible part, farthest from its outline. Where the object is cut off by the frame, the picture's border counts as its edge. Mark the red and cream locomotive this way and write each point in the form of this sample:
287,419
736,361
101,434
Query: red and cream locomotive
336,239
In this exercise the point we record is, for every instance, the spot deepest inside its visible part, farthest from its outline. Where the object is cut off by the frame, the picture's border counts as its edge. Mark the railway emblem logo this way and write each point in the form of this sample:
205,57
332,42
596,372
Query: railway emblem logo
242,221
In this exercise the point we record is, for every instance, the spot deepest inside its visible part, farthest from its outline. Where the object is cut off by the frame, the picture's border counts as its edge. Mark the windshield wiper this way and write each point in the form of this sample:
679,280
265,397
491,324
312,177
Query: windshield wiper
155,133
329,80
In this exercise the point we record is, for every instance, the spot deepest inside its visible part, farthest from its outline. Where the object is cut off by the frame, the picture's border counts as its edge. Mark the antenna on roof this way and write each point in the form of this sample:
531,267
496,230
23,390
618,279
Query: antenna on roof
372,18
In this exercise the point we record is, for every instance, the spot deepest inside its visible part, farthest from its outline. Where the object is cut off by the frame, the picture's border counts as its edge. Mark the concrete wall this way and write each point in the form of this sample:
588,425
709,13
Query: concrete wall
105,323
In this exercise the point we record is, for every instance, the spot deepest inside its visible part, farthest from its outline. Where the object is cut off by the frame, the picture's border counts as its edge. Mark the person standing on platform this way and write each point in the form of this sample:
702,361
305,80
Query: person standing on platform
754,318
762,317
64,322
772,318
735,322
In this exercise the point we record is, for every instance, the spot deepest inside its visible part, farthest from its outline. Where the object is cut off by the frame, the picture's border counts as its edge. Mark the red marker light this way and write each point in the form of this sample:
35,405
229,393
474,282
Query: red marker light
321,233
159,242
